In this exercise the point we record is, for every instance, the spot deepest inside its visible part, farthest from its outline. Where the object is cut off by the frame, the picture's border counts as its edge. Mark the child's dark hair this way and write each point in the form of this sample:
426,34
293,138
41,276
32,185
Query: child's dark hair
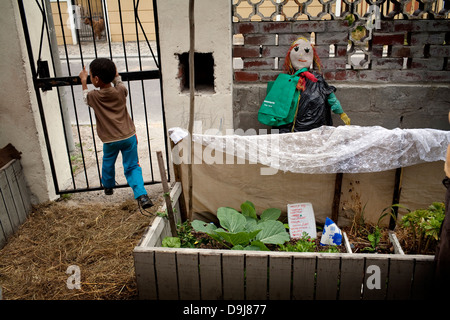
103,68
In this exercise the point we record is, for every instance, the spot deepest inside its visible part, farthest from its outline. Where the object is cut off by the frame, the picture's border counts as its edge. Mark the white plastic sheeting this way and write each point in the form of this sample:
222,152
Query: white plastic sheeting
346,149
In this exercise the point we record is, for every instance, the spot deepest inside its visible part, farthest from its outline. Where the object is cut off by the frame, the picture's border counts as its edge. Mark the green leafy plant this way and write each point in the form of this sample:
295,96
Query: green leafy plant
184,239
375,237
303,244
425,225
245,230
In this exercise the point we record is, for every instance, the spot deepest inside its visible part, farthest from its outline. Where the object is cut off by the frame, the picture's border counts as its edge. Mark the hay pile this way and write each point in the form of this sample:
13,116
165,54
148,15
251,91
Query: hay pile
97,238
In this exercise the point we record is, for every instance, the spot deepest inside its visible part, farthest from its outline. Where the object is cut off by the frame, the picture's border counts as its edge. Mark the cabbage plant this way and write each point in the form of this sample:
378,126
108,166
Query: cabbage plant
245,230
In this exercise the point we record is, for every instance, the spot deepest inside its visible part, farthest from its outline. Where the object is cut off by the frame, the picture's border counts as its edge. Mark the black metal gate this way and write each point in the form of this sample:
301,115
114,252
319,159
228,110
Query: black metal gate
58,71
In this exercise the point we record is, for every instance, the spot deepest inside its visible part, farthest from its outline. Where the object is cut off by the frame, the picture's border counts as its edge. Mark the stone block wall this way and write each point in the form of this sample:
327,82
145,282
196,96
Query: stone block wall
394,76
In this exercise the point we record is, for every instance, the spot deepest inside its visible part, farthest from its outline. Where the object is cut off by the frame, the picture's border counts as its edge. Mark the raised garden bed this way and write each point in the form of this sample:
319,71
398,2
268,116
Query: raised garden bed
211,274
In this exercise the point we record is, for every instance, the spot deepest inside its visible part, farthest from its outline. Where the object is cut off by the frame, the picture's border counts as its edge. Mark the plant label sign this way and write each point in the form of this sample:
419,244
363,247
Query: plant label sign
301,219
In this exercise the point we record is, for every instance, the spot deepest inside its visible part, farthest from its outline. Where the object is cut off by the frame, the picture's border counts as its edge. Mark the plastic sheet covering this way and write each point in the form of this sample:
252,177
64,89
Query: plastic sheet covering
345,149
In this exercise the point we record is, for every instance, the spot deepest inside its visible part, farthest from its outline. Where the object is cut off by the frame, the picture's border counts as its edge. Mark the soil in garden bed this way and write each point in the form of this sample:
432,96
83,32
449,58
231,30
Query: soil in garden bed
409,246
360,243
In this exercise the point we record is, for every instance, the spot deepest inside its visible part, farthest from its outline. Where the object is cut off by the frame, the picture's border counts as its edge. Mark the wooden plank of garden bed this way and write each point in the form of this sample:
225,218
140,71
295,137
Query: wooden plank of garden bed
379,275
8,200
423,278
303,277
188,280
400,278
280,277
256,277
210,275
233,276
166,275
18,172
145,274
352,275
15,192
327,277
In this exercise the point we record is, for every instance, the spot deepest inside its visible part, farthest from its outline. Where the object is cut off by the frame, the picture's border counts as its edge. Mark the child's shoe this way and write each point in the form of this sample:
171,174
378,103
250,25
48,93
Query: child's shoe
109,191
145,202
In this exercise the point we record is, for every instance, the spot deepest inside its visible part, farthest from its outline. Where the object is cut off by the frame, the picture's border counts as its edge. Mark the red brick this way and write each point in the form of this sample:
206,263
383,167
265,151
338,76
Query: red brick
388,38
335,25
400,51
275,51
308,26
334,63
260,39
387,63
245,27
428,64
440,51
341,51
437,76
267,76
250,52
245,76
259,64
276,27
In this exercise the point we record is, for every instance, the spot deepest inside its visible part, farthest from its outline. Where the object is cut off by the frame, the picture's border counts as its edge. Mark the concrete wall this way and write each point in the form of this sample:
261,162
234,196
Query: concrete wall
212,35
20,122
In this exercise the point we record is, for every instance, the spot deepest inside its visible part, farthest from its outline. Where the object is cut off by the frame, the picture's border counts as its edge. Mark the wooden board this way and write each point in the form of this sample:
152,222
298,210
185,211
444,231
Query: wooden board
210,276
233,270
303,277
327,277
188,281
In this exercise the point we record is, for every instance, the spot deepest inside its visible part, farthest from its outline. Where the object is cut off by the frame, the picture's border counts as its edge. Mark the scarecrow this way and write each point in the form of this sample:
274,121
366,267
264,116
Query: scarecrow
299,99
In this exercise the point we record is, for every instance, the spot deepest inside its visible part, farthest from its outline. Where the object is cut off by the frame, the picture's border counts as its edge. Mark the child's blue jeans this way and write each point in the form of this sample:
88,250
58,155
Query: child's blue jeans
131,167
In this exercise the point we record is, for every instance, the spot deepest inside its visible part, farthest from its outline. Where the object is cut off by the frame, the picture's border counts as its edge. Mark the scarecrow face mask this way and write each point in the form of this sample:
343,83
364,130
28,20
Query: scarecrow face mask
302,54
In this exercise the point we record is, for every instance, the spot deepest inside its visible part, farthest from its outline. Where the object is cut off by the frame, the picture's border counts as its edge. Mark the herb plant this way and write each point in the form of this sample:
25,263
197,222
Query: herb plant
425,225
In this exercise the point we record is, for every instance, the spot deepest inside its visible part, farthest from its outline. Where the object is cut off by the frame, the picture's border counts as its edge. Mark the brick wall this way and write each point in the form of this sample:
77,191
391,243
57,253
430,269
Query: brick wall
397,76
401,51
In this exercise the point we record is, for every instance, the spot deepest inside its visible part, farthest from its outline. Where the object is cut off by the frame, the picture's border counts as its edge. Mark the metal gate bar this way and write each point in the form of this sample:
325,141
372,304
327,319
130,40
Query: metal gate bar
58,81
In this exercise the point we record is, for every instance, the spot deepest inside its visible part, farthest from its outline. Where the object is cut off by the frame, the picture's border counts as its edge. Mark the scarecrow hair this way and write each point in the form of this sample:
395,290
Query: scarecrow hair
288,68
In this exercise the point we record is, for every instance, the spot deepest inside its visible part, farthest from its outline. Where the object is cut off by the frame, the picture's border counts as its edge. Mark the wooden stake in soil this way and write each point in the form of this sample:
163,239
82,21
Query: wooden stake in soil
192,98
166,190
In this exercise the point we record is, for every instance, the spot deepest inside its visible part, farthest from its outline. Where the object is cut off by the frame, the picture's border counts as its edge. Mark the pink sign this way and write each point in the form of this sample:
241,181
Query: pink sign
301,219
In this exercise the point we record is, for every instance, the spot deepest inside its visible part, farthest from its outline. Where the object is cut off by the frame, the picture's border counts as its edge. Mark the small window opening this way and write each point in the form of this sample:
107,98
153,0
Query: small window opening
203,73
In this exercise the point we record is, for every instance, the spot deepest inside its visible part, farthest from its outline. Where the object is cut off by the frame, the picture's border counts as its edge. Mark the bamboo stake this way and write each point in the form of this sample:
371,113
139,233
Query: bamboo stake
166,190
192,99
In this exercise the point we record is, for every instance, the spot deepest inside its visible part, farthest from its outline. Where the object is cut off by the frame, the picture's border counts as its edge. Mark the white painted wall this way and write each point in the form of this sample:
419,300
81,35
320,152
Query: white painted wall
213,34
20,122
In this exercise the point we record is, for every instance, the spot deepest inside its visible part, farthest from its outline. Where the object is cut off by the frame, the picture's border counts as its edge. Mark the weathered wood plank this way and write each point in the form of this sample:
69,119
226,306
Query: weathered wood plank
256,277
376,272
18,171
352,274
8,200
15,193
188,275
233,276
400,278
327,277
303,278
280,271
210,276
5,222
144,269
166,275
423,280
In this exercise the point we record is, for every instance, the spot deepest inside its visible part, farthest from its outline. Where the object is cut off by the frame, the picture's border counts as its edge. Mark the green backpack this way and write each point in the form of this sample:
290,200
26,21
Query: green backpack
280,103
